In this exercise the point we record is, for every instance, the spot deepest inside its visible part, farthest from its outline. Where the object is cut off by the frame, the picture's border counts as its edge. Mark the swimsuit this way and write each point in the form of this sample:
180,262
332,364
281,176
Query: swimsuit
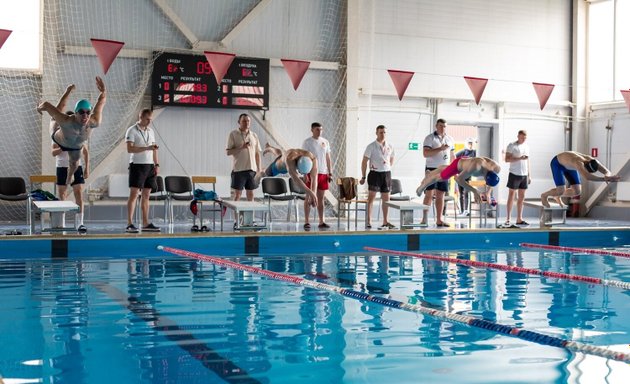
451,170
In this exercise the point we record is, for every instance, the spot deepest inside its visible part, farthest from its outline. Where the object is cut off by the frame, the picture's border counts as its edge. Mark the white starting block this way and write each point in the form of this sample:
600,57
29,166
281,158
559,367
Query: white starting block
244,212
406,209
57,210
554,215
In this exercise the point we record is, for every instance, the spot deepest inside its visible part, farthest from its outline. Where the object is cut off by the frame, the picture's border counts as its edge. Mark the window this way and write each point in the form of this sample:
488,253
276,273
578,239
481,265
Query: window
608,54
22,48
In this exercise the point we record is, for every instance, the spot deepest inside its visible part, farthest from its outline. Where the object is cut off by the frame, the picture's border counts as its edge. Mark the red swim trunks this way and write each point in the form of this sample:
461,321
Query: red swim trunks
451,170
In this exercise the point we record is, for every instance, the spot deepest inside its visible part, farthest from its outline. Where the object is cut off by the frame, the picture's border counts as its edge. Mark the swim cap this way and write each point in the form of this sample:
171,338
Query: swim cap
492,179
592,166
304,165
193,207
82,104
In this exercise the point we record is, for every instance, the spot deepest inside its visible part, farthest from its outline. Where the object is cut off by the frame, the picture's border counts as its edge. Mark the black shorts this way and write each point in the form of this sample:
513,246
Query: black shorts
379,181
440,185
142,176
62,175
243,179
517,182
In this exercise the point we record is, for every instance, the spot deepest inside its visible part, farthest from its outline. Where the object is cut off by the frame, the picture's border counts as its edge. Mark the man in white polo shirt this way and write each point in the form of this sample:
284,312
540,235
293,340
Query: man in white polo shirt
438,149
380,155
319,147
517,154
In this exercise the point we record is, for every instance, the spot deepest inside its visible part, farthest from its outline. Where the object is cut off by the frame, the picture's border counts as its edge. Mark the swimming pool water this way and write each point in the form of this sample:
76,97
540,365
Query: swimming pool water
177,320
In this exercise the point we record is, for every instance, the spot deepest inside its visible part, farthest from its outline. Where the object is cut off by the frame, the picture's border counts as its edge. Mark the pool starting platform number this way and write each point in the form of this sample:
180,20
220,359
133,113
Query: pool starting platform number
413,146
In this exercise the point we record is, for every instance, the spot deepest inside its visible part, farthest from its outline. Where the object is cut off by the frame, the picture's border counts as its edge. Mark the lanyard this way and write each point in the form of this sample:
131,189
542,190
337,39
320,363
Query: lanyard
146,139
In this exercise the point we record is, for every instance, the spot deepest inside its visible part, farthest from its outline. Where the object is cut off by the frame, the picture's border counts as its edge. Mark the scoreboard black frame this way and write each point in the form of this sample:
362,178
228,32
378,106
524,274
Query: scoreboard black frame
184,80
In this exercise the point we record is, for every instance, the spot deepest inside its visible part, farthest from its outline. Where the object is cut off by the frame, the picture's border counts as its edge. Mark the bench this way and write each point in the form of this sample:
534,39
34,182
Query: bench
57,210
244,213
406,209
554,215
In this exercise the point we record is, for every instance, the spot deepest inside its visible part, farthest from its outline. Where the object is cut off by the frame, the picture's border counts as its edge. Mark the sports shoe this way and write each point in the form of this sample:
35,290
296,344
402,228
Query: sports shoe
524,223
390,225
382,227
150,228
82,229
131,229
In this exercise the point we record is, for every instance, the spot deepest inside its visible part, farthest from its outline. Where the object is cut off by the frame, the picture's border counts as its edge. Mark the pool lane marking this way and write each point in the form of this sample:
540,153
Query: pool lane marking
508,268
575,249
508,330
197,349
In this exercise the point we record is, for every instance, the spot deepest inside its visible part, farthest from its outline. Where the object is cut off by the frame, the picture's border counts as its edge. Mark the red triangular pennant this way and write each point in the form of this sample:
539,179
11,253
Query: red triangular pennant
543,91
626,97
106,51
220,63
296,70
477,86
401,81
4,35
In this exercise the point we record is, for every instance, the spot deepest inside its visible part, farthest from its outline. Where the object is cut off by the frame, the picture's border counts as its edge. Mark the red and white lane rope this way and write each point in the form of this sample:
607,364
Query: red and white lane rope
574,249
508,268
508,330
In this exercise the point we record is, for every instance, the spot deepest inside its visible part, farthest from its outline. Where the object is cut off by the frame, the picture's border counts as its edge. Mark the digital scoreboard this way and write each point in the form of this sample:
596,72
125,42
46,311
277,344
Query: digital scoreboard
188,81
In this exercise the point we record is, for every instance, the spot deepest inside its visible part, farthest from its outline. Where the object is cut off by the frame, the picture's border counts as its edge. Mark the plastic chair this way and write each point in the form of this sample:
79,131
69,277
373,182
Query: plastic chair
14,189
347,197
394,195
178,188
158,194
199,182
275,188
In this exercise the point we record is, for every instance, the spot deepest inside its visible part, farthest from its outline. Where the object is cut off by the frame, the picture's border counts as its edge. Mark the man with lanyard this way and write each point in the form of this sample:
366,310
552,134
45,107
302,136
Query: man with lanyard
380,155
143,169
319,147
438,149
517,154
244,147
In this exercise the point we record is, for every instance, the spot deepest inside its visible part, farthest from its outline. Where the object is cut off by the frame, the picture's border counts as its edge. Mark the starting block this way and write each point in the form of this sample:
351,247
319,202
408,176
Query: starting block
244,212
406,209
56,209
554,215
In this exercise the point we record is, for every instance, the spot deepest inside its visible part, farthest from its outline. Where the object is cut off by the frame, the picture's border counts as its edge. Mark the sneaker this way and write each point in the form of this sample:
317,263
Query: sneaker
82,229
523,223
150,228
390,225
368,226
323,226
443,225
382,227
131,229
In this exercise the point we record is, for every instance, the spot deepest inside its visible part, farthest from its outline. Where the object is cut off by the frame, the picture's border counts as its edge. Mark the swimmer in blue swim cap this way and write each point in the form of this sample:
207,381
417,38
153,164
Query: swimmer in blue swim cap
75,130
297,163
463,168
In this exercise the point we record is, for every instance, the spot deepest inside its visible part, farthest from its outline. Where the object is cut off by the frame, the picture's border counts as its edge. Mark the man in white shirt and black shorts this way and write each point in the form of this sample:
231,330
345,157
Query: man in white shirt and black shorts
380,155
438,149
143,169
517,154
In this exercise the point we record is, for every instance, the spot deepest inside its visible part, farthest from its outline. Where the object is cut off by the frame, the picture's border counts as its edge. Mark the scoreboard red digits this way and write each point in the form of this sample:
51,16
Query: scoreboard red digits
188,81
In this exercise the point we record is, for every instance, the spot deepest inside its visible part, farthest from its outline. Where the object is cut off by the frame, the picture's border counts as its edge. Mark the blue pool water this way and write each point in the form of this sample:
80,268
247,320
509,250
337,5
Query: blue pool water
175,320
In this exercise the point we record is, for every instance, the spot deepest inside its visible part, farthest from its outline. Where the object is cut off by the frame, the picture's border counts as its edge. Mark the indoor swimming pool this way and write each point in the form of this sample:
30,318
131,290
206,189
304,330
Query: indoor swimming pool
179,319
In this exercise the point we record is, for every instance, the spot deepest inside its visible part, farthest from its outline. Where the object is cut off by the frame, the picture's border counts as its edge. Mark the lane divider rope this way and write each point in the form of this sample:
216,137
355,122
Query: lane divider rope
574,249
508,330
508,268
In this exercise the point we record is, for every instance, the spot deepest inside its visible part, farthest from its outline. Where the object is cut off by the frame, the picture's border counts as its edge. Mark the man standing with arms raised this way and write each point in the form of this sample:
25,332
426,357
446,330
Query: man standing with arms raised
244,147
438,149
517,154
319,147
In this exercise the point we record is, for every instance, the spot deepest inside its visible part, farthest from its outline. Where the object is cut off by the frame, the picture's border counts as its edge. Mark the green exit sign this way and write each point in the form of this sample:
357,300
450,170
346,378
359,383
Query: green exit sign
413,146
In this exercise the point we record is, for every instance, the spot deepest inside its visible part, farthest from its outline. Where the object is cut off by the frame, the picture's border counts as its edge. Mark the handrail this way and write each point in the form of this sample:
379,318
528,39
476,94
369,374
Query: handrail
603,188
